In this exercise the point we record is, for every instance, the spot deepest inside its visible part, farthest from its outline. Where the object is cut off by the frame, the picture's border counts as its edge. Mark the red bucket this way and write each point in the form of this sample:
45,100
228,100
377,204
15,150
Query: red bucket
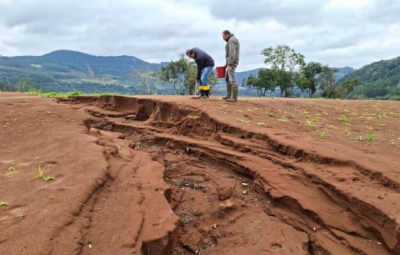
220,71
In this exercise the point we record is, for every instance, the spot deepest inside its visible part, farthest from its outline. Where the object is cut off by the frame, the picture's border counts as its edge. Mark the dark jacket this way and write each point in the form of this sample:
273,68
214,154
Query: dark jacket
232,51
202,60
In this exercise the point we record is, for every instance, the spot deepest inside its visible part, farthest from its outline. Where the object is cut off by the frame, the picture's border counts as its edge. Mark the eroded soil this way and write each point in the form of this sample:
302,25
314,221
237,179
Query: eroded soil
171,175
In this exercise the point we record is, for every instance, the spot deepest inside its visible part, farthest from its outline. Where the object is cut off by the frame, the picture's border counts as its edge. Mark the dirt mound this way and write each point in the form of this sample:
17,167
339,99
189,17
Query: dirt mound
170,175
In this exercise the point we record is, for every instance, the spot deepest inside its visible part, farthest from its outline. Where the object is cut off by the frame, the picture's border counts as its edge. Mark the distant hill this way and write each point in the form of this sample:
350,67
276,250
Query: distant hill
343,71
379,80
65,70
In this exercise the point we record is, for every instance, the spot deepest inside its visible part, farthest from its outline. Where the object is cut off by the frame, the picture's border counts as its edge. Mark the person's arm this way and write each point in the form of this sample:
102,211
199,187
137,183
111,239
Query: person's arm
231,53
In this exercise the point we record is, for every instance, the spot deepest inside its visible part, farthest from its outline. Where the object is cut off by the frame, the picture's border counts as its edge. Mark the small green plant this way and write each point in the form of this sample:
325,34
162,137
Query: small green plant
283,119
12,169
119,148
305,113
314,120
261,124
41,175
371,137
369,118
382,116
347,131
3,203
247,122
323,135
268,113
344,119
370,128
309,124
324,113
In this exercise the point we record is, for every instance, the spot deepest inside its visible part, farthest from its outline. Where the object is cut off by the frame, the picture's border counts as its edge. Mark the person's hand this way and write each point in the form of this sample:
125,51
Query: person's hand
229,68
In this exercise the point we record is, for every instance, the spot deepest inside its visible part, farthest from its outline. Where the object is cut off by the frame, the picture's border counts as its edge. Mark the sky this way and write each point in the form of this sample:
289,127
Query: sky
337,33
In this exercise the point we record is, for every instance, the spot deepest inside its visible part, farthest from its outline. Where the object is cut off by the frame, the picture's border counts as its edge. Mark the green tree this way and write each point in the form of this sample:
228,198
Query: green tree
267,80
176,73
344,88
284,61
327,82
307,79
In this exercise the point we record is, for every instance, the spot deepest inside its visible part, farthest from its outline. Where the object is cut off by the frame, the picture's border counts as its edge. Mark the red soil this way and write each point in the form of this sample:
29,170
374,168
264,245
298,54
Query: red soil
171,175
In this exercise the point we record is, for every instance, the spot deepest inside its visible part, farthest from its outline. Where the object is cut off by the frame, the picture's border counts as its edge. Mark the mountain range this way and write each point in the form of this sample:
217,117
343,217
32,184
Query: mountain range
65,70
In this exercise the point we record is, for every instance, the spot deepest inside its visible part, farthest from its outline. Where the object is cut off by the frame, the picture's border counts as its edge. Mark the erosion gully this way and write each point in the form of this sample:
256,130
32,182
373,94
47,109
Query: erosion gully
233,191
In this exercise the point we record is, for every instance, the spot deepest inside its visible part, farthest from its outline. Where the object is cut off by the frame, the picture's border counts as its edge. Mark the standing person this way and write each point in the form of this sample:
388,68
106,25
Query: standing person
232,50
205,64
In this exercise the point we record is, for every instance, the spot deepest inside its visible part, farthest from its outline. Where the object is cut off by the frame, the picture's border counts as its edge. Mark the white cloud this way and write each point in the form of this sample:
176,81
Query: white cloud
334,32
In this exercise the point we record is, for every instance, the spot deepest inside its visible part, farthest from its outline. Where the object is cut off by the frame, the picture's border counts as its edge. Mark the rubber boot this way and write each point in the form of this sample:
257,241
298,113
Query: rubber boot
235,89
201,92
207,93
228,91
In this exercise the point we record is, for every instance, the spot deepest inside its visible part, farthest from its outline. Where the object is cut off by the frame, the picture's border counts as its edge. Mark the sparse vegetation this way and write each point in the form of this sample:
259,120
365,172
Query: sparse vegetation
323,135
344,119
12,169
247,122
309,124
371,137
41,175
283,119
3,203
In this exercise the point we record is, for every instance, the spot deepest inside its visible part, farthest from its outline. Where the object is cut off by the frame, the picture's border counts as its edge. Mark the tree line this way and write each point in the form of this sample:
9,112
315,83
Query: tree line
287,70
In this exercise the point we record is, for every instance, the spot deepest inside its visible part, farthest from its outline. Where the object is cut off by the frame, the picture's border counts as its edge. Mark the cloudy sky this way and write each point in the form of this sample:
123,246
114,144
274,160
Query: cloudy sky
334,32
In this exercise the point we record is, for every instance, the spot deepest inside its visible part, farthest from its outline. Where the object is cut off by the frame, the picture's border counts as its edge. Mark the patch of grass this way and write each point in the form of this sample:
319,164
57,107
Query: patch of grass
12,169
344,119
247,122
3,203
268,113
370,128
55,94
41,175
314,120
305,113
261,124
371,137
382,116
323,135
347,131
283,119
309,124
